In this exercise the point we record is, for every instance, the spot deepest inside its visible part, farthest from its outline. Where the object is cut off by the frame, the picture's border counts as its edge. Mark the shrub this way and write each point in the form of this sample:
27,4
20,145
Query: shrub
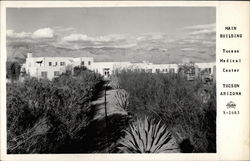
45,116
175,101
13,70
145,136
121,99
114,82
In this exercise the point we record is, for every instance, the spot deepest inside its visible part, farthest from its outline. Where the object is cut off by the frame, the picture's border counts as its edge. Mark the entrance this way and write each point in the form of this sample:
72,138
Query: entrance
106,72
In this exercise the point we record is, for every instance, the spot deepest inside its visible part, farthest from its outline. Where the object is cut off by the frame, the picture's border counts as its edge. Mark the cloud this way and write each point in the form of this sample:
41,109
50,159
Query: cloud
13,34
40,33
43,33
75,37
102,39
201,29
62,29
113,38
188,49
150,36
205,31
203,26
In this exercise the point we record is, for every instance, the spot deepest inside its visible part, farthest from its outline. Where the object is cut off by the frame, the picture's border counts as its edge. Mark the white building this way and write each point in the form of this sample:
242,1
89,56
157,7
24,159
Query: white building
108,68
209,67
50,67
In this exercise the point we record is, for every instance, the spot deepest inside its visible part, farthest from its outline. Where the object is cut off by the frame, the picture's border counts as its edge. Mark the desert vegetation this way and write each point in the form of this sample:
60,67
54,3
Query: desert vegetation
46,116
165,113
187,108
13,70
148,136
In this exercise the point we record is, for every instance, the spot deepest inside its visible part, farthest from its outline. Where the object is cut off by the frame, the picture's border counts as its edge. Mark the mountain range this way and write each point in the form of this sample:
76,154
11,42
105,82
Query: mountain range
155,52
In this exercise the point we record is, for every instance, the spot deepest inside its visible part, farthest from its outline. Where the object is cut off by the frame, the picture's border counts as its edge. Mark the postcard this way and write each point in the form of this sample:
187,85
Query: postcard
124,80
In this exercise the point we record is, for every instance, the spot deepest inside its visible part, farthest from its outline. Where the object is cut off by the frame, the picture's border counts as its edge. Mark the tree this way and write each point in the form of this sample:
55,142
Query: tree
187,68
78,69
13,70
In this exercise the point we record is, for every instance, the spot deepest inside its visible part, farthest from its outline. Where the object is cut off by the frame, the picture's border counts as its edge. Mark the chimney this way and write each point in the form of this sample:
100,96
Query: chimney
29,55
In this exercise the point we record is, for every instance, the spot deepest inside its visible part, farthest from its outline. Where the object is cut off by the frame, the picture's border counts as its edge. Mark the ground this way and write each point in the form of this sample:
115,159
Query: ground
103,135
112,107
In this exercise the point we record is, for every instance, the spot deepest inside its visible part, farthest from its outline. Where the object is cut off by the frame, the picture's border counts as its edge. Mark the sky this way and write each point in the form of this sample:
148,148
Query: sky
102,21
116,27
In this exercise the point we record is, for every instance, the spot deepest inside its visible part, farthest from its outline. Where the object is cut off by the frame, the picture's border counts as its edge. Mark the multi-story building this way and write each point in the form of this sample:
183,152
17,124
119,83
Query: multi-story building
108,68
51,67
198,70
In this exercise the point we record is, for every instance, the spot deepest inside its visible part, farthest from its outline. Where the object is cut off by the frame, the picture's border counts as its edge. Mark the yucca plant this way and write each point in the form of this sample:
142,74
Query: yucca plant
145,136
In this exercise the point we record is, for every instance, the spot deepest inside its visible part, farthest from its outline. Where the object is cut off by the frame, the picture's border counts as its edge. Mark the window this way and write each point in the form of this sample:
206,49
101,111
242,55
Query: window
62,63
44,74
166,70
55,63
89,62
50,63
157,70
82,63
56,73
209,70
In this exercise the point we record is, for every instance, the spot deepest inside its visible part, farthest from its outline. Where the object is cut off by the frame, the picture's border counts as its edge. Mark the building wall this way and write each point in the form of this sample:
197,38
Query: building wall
101,67
53,66
109,67
34,66
203,66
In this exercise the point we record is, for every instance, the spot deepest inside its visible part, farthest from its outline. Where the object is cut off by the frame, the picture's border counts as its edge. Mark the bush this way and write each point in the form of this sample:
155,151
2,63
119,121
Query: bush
13,70
121,99
175,101
44,116
114,83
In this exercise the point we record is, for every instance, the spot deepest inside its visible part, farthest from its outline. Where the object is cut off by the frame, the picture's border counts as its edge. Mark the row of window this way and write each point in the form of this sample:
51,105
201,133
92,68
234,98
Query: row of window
164,70
171,70
89,63
106,72
61,64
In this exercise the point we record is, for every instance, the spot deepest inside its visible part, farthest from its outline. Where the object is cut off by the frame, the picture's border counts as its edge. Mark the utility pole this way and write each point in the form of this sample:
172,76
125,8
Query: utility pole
106,116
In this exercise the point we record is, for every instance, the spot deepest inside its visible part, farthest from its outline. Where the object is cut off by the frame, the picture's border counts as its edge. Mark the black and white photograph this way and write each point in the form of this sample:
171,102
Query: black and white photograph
83,80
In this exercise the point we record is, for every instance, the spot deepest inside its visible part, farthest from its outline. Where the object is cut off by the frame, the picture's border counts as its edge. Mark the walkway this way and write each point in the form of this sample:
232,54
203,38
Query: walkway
102,138
112,107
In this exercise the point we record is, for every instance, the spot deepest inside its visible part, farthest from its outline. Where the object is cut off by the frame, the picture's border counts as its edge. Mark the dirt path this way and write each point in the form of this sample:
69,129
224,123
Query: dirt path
112,107
102,137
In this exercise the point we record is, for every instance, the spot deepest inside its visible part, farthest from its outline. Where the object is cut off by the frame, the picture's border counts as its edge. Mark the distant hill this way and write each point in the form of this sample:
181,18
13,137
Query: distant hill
170,53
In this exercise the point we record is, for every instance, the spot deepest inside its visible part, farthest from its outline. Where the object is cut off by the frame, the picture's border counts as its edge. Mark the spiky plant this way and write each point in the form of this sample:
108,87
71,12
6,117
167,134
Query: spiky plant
122,99
145,136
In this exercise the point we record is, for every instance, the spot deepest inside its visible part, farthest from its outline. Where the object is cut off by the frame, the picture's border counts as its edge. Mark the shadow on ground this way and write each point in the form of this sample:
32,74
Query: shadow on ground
104,138
99,137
